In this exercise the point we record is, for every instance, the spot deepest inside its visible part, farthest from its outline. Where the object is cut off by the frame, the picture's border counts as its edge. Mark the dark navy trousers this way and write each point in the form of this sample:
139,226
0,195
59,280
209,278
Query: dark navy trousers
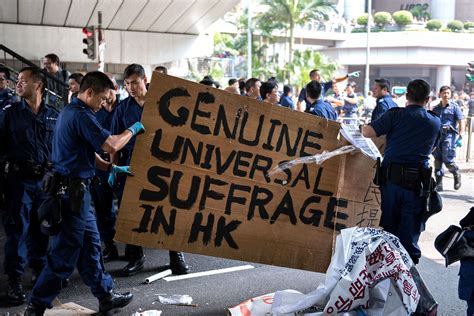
25,244
106,212
401,210
76,246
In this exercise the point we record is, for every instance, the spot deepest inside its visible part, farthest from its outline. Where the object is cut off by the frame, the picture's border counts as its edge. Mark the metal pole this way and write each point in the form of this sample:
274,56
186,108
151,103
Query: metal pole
367,54
101,44
249,39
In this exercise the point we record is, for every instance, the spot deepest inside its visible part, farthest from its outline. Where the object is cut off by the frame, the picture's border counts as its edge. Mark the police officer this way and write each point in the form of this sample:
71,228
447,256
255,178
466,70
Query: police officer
77,138
350,108
381,90
130,110
466,269
412,133
26,131
325,86
269,92
6,96
252,86
318,106
102,193
451,117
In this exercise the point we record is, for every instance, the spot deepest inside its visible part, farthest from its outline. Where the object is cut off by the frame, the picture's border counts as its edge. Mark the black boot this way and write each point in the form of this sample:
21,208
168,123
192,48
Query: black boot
136,260
34,309
177,263
15,293
110,252
114,300
439,183
457,180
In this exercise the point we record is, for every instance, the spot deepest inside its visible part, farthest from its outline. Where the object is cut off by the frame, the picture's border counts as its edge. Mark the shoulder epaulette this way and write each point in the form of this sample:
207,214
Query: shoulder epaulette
6,107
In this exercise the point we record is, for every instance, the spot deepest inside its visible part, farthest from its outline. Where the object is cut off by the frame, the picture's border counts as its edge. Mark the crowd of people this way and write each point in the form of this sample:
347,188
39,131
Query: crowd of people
64,165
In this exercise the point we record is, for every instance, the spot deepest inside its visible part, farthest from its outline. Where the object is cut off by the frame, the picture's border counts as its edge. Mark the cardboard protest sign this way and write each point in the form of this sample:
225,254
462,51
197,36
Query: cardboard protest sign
201,181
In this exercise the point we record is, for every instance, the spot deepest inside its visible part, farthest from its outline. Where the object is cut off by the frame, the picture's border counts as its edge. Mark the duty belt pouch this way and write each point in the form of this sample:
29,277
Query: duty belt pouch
77,189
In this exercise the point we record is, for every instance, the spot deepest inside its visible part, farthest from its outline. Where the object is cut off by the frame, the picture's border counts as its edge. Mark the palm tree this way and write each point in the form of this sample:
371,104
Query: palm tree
285,15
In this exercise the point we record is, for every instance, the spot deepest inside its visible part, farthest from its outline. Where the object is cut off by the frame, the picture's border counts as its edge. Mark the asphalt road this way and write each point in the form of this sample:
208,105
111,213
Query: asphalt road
212,294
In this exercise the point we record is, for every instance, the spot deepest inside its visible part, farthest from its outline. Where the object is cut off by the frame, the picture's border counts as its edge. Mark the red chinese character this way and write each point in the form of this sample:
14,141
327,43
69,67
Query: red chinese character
343,305
390,258
375,256
407,287
357,289
366,276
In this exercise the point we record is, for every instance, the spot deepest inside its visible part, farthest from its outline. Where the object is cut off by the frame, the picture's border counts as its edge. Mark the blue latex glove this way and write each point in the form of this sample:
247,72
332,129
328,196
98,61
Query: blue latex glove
458,142
115,170
355,74
137,128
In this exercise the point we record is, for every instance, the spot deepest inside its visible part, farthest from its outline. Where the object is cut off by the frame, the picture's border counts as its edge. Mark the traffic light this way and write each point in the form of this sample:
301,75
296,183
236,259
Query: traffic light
470,71
90,41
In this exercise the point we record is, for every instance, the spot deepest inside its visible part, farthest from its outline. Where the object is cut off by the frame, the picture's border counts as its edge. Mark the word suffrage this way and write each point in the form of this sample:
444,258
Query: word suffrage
201,179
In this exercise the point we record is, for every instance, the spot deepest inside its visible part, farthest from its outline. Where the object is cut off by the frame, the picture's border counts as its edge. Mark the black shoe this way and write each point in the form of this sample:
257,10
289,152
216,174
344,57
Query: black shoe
133,267
439,184
34,310
114,300
65,283
110,252
177,264
15,293
457,180
34,277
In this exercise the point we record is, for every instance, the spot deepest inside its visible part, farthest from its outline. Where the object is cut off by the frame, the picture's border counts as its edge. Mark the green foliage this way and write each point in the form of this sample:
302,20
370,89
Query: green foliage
468,25
455,25
402,18
434,25
363,19
382,18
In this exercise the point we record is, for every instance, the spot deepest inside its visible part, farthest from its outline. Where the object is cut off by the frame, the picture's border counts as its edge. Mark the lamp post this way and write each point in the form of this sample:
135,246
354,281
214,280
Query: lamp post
367,54
249,39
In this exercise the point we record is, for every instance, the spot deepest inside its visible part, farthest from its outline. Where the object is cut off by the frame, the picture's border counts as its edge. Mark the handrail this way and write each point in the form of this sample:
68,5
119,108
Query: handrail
31,64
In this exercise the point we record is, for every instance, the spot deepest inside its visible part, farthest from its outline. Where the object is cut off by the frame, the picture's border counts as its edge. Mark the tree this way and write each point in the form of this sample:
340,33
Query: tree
434,25
455,25
402,18
382,18
363,19
285,15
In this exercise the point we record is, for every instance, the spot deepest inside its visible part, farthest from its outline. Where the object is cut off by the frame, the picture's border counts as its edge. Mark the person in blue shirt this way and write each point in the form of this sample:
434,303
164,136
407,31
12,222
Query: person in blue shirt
319,107
336,99
77,137
325,86
286,99
6,95
26,131
350,108
451,117
130,110
411,135
102,193
466,268
384,102
252,87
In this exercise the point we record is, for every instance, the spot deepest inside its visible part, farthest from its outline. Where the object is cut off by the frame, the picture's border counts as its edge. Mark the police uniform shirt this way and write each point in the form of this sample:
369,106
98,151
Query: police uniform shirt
449,115
325,86
384,103
323,109
77,136
287,102
26,136
6,97
105,117
412,132
127,113
348,108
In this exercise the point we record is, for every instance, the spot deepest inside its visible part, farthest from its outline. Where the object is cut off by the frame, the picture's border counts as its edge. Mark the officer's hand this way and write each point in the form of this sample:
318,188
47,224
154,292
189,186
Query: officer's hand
458,142
115,170
355,74
137,128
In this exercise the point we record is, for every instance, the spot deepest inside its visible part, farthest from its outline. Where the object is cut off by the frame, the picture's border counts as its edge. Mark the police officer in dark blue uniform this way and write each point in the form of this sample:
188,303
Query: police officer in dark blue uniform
6,96
77,138
451,116
130,110
325,86
466,269
412,133
26,131
102,193
381,90
350,108
319,107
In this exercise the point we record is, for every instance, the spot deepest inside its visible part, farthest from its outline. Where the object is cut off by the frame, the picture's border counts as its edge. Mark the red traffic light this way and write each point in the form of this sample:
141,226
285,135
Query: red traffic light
88,31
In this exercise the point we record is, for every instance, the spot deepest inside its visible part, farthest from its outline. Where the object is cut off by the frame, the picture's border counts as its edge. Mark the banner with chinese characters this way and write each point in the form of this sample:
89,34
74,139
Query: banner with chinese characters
201,179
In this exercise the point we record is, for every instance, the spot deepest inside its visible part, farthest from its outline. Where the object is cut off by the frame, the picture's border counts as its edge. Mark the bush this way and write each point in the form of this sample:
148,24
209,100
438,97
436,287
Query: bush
363,19
455,26
402,18
468,25
434,25
382,18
